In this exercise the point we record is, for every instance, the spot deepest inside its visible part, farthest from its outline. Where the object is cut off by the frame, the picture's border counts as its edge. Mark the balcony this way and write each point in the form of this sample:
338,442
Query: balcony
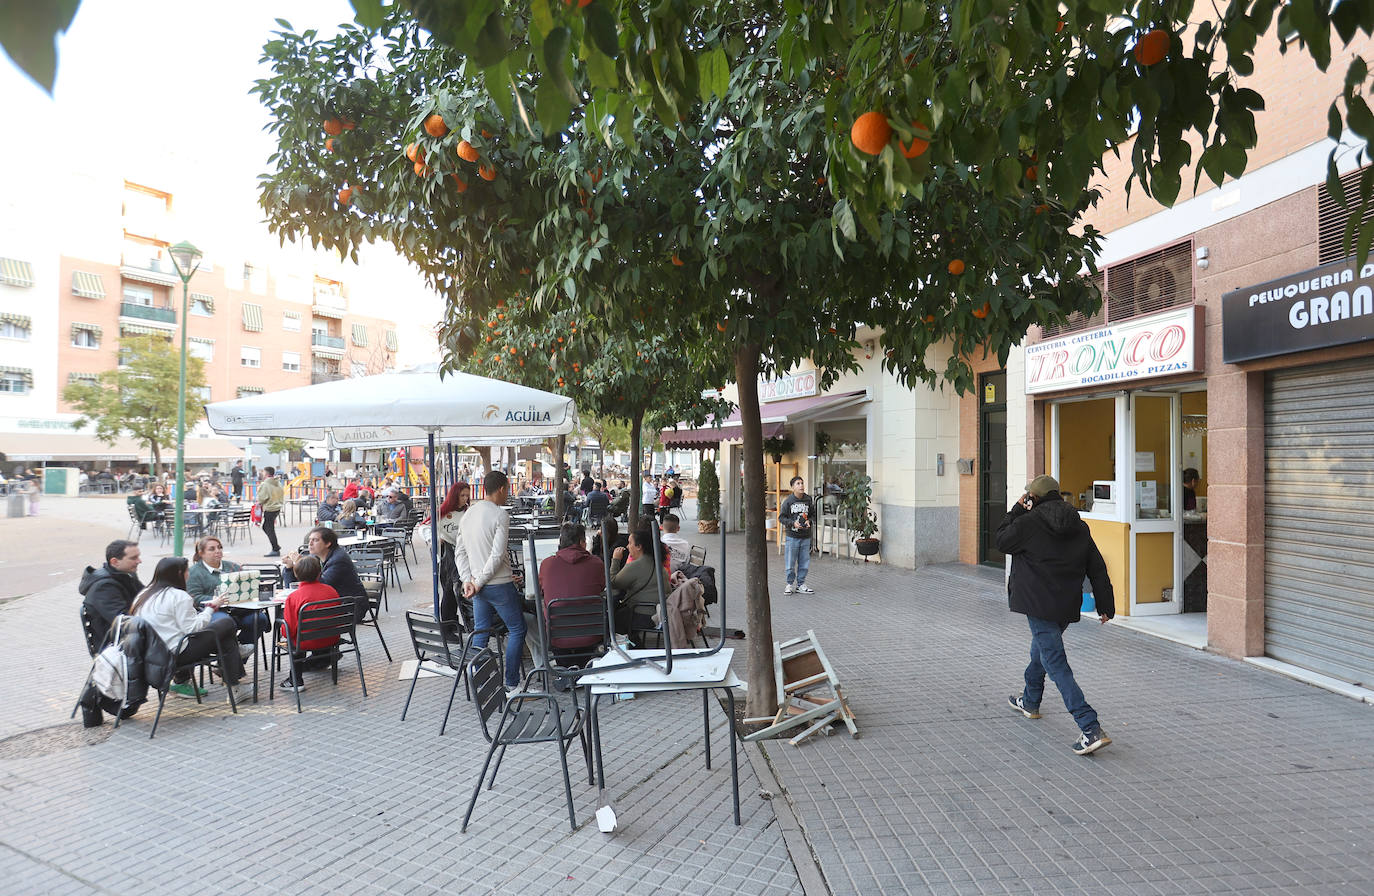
320,340
150,313
148,269
317,378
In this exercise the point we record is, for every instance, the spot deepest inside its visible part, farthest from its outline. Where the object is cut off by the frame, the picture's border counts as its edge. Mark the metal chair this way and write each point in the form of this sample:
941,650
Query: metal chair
402,538
239,522
434,643
527,718
317,620
574,619
371,574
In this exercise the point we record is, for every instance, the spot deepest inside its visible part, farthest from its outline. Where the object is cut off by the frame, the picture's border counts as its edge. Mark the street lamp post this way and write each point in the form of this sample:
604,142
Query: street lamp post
186,257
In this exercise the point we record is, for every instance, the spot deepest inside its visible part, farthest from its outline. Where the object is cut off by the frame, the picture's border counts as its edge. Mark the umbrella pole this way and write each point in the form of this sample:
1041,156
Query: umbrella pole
433,526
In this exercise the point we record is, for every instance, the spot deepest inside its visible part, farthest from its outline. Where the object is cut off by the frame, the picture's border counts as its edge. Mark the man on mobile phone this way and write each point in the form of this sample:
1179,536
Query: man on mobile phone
1051,551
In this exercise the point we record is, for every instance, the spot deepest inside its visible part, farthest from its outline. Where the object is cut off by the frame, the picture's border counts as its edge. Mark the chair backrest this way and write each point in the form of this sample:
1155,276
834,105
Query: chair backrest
88,629
576,626
431,641
327,618
488,688
697,555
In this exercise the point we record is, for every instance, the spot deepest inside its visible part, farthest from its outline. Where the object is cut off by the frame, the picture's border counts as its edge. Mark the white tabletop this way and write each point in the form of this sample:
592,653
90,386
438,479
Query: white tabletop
688,672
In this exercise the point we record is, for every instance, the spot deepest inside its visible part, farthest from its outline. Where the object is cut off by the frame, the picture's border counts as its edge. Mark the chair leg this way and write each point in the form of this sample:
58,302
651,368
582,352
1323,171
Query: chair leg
411,692
376,624
358,655
496,768
161,701
453,692
477,790
562,747
295,673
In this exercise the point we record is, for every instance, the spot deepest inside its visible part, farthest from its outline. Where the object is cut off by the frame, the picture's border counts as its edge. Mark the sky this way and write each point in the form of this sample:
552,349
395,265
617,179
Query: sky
157,91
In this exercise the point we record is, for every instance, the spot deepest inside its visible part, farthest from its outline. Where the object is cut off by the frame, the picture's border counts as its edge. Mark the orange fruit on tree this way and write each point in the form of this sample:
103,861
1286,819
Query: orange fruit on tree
596,175
345,196
467,152
580,3
930,318
956,267
1152,47
870,132
486,134
434,125
349,124
414,153
1032,172
1060,27
422,169
1041,208
983,312
820,181
329,145
462,184
512,351
333,127
917,147
721,326
486,172
677,260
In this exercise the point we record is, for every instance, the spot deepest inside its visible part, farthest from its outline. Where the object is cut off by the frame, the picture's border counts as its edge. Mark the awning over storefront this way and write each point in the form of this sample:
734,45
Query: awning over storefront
69,446
775,415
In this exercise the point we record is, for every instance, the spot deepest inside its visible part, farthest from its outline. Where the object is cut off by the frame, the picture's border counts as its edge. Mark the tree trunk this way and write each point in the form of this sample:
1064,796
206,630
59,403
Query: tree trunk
636,485
560,485
758,615
157,457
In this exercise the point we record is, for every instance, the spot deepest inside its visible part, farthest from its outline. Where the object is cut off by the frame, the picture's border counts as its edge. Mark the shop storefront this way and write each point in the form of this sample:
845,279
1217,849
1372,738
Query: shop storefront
1124,410
1308,337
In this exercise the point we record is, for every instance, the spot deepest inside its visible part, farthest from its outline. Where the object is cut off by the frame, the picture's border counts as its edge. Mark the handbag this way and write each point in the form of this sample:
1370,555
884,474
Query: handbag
256,514
110,674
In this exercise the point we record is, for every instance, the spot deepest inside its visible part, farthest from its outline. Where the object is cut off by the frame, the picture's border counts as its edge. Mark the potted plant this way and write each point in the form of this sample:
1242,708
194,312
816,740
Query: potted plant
776,446
857,493
708,499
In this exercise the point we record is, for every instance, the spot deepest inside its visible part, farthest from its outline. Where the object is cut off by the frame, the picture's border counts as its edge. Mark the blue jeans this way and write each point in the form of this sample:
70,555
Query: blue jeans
502,600
1047,656
796,557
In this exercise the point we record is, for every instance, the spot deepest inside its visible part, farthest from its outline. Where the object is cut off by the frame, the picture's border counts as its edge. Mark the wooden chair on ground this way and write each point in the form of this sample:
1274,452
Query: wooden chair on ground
317,620
525,718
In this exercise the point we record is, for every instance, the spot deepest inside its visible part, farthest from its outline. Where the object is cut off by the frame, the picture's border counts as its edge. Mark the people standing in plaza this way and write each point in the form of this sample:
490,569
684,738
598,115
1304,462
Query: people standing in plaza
236,480
450,522
795,515
484,569
1051,551
271,496
109,590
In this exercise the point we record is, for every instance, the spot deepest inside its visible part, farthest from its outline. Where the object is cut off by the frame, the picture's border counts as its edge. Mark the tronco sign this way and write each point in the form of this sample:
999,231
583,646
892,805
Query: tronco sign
1161,344
794,385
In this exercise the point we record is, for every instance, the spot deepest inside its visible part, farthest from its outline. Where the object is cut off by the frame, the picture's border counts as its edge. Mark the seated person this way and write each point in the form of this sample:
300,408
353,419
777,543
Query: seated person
634,580
203,580
597,503
328,511
338,571
679,548
572,572
145,513
188,634
404,498
616,538
620,505
109,590
158,499
307,572
391,510
350,517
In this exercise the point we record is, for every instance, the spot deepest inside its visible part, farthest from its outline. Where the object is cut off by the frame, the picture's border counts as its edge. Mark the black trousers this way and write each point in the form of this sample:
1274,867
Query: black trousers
269,527
219,637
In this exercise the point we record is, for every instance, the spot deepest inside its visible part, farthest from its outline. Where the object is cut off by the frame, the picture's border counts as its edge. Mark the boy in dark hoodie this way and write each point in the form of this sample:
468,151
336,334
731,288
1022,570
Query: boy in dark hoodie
1051,551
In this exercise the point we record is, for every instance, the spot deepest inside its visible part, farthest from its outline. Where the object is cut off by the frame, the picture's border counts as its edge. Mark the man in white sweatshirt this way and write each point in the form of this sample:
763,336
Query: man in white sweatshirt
484,570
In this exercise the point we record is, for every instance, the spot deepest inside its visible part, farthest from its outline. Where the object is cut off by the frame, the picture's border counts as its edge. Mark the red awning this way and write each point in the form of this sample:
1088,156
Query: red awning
775,416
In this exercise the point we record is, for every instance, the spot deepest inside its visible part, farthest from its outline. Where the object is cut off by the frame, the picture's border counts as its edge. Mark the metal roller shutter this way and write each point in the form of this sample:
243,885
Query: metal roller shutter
1319,519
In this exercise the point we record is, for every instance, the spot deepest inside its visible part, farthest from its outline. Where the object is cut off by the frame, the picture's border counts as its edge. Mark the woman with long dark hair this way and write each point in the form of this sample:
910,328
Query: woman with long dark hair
450,517
188,634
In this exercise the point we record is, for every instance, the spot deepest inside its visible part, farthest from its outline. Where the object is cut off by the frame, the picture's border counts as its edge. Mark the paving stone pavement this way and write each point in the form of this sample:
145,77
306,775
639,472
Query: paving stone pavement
1222,778
346,798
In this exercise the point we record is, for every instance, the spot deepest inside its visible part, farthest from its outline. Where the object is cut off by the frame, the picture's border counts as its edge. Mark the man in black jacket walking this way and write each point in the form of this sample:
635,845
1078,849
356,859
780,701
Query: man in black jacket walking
1051,551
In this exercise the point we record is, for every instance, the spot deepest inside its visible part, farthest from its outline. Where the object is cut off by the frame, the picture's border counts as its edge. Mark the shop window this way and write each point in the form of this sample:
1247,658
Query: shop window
1086,440
1333,218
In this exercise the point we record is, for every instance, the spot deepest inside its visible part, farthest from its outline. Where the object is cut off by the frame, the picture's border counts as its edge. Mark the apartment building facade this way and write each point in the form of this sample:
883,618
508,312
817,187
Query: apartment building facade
259,323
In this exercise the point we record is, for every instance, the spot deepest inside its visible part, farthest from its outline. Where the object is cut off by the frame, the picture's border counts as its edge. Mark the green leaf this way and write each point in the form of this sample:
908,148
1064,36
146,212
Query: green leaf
601,26
368,13
843,220
601,68
497,79
556,69
493,43
713,74
1001,58
29,31
541,17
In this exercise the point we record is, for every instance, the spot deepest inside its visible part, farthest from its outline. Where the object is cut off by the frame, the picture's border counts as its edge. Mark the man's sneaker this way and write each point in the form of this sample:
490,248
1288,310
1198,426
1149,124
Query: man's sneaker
789,589
805,589
1090,742
288,684
245,651
186,690
1018,703
272,554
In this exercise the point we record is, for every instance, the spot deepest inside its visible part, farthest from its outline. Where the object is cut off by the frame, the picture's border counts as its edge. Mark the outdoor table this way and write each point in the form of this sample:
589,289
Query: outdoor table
690,673
255,606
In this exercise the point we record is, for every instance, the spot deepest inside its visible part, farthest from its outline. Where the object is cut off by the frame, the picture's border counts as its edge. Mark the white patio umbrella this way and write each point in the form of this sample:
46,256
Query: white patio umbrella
402,409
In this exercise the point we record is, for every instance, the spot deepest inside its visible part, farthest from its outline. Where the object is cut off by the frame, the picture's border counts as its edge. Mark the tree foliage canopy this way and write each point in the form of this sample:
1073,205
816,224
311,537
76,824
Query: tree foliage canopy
140,398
